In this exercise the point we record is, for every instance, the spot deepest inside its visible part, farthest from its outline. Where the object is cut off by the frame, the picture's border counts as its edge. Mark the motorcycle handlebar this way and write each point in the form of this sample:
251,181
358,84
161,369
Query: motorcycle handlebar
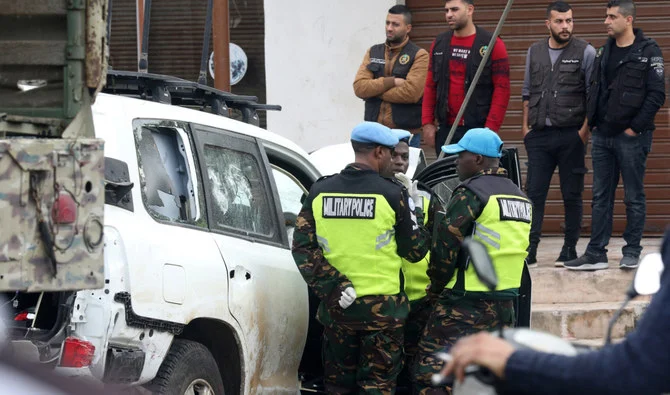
483,375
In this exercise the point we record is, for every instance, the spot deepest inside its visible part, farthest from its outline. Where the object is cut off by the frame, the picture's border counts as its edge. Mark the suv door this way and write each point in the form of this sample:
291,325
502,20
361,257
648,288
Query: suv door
174,263
266,292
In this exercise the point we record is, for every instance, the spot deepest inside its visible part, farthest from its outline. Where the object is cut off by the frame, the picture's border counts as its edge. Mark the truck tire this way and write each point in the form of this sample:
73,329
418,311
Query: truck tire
189,368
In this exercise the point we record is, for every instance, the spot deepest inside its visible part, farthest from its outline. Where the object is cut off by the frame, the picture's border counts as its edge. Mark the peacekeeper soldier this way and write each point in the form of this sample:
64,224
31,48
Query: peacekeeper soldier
416,276
488,206
350,235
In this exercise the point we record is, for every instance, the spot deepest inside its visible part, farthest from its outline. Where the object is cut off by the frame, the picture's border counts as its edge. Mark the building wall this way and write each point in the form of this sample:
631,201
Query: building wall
312,52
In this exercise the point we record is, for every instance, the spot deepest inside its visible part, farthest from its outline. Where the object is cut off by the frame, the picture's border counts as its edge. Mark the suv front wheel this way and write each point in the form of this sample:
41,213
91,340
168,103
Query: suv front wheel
189,368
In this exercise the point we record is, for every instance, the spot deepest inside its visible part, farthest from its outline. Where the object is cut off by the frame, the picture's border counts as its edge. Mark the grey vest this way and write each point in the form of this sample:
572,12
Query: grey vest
557,91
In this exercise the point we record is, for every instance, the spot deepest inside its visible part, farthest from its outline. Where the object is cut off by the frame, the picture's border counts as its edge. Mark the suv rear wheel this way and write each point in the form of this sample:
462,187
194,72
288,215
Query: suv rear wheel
188,369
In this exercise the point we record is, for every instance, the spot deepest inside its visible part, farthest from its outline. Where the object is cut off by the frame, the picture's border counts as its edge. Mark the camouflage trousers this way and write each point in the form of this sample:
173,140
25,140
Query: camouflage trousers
452,318
416,322
361,361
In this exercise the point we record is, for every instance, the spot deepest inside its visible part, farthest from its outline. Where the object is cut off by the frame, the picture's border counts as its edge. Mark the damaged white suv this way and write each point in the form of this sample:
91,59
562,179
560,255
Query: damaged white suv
201,291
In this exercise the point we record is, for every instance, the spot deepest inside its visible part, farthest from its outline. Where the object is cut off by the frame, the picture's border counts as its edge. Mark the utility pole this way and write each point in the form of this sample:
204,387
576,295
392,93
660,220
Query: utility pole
478,73
139,25
220,44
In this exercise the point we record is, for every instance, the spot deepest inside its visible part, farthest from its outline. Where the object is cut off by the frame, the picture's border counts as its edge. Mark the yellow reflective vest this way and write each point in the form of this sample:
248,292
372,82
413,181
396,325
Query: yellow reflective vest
416,276
357,236
503,227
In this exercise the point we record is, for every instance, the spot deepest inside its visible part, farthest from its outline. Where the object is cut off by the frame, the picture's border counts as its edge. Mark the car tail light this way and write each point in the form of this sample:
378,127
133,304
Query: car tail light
64,210
76,353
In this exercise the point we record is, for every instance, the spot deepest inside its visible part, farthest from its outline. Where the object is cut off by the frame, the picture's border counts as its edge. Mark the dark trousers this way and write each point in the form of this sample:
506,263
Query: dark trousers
360,361
419,313
627,156
454,317
443,132
547,149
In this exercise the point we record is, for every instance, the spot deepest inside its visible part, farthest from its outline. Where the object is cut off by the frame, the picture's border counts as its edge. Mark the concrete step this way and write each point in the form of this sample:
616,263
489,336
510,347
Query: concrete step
560,285
586,320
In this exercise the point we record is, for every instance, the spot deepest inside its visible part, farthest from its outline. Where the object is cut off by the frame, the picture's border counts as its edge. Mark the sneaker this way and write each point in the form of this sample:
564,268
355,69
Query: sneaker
629,262
531,259
567,254
587,262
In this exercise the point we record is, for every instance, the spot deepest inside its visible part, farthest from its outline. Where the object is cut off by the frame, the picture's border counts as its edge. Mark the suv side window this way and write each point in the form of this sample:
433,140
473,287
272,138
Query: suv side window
169,185
291,193
239,193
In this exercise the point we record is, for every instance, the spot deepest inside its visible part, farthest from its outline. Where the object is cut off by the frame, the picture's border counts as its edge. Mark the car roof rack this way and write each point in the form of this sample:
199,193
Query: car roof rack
179,92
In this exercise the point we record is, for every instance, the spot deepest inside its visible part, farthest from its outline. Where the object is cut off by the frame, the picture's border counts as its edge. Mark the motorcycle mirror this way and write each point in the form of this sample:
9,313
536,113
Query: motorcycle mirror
647,279
481,260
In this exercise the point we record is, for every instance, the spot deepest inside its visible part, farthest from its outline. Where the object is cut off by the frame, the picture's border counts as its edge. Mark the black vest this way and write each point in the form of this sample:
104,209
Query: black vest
617,102
405,115
557,91
480,103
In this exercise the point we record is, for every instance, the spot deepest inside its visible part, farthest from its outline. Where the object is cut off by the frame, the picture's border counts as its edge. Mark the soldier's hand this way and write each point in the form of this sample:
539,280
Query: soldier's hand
399,82
429,131
404,180
412,187
348,297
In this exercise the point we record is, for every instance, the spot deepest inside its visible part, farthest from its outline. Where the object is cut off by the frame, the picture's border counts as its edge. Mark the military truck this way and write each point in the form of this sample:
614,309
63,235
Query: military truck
52,63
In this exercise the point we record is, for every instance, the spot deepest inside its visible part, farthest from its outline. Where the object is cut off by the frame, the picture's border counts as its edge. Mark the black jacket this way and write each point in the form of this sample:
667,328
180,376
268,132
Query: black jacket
635,96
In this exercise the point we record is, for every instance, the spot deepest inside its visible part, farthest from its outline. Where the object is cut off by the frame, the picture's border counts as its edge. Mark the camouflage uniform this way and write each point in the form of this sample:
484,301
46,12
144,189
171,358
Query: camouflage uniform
456,314
362,345
419,311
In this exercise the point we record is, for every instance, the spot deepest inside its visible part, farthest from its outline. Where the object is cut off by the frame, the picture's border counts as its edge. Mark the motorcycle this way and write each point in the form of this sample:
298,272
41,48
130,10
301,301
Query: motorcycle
479,380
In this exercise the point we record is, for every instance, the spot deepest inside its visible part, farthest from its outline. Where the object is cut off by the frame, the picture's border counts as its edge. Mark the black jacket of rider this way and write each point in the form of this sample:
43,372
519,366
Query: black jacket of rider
638,365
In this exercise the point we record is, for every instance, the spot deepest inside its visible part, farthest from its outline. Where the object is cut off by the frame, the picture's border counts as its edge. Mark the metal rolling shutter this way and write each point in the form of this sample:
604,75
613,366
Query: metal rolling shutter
175,40
524,26
123,41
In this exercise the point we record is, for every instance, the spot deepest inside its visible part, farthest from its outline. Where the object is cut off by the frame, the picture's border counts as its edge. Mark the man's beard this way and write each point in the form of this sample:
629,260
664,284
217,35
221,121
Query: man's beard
396,39
559,39
458,25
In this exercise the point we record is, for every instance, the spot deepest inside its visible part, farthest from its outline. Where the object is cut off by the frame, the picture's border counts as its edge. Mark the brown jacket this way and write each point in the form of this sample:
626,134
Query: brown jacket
366,86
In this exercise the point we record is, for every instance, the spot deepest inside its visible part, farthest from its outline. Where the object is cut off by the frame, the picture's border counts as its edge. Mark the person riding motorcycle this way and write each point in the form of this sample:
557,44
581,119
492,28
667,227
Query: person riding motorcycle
638,365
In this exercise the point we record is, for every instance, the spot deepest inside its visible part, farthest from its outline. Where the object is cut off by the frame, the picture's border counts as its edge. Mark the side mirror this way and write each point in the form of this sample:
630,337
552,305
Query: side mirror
647,279
481,260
